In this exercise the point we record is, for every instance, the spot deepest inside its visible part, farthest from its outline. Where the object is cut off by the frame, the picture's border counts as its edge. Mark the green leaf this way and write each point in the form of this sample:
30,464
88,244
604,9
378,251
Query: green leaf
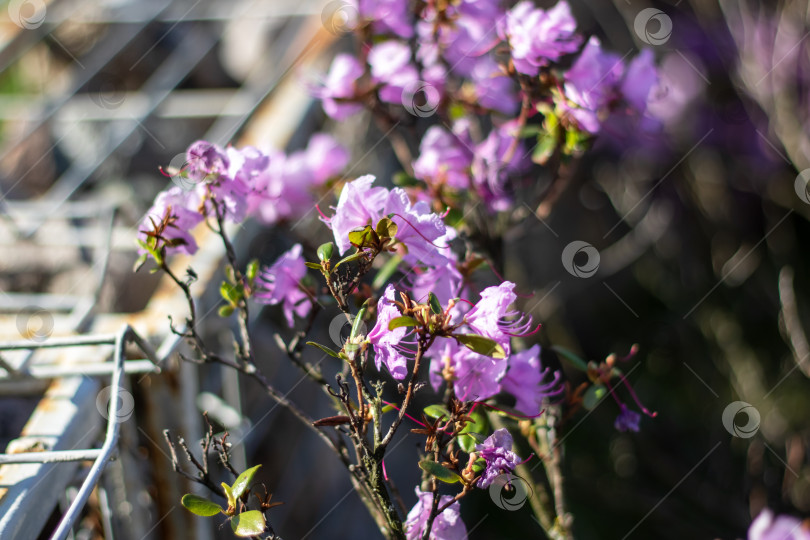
325,349
575,360
402,321
435,305
481,345
325,251
386,228
229,495
439,471
593,396
358,323
200,506
364,237
139,262
232,293
436,411
252,270
247,524
225,311
388,408
352,257
473,432
314,266
243,481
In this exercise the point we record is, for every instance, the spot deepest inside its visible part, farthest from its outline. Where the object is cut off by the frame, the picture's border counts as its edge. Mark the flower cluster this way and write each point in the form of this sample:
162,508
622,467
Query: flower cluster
281,284
514,76
230,184
447,525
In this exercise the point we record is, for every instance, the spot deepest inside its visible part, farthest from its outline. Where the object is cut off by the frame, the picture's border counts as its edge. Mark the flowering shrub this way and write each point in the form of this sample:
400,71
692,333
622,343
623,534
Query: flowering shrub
498,103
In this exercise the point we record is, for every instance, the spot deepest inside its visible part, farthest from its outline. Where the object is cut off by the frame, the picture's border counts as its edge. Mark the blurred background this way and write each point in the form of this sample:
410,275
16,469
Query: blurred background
698,230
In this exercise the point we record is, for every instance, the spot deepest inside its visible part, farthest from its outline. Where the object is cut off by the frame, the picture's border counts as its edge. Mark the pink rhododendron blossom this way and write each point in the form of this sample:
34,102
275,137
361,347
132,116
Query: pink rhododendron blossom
444,158
536,36
591,84
391,67
766,526
181,207
446,526
279,284
359,205
524,380
325,158
492,318
385,341
339,87
497,452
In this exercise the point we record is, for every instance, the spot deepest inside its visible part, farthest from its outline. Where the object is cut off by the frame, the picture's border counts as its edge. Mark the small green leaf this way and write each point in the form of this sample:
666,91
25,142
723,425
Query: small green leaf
439,471
139,262
325,251
232,293
325,349
575,360
247,524
436,411
473,432
243,481
398,322
593,396
200,506
225,311
358,323
229,495
388,408
314,266
435,305
252,270
386,228
481,345
364,237
352,257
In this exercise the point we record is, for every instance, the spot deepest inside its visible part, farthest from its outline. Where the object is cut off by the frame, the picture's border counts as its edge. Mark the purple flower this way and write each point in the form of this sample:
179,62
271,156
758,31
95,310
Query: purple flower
325,158
495,90
444,158
524,380
499,155
489,317
591,84
628,420
204,159
181,209
475,376
537,36
359,204
443,280
280,284
391,67
388,16
446,526
385,341
417,228
497,452
768,527
340,87
640,81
